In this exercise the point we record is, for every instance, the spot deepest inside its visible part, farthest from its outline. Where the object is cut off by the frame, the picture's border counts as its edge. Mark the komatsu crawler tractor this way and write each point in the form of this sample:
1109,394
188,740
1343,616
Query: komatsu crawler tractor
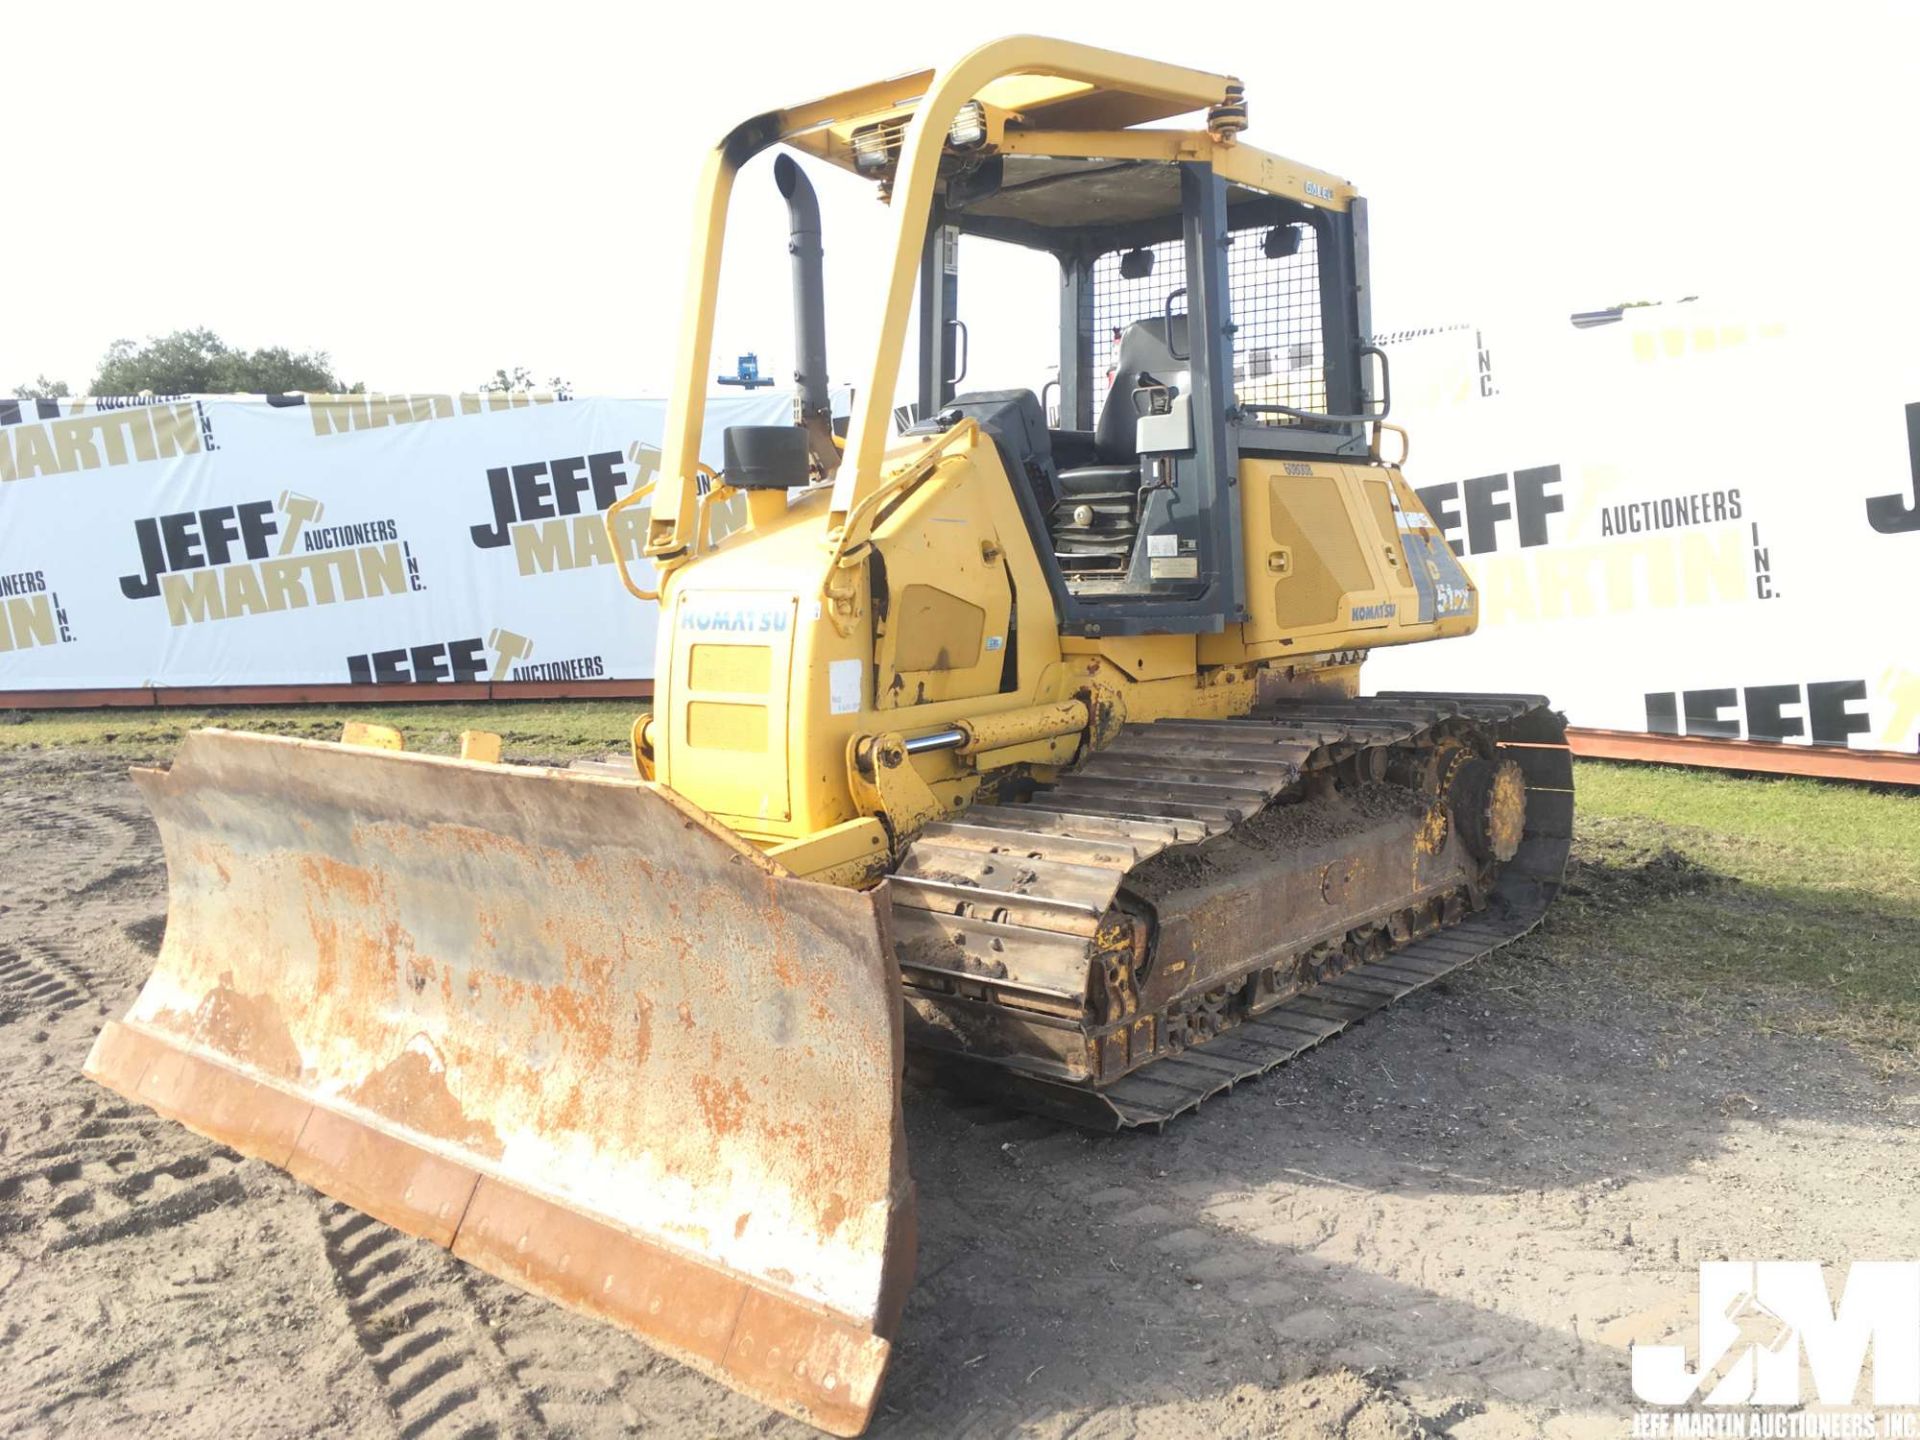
1014,739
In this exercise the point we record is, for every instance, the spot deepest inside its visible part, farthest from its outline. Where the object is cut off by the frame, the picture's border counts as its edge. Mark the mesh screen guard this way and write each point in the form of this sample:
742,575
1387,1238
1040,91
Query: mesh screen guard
1279,345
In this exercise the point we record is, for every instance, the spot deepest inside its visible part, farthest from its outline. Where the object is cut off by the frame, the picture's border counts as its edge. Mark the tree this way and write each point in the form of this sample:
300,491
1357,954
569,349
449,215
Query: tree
199,362
41,388
521,378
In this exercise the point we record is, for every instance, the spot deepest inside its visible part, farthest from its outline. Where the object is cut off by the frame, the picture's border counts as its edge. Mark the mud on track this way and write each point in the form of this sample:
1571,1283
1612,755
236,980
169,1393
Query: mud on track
1453,1220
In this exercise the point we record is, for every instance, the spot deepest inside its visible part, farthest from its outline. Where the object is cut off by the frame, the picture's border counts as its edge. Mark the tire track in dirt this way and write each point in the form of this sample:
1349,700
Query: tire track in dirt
113,1176
41,976
1185,1285
1388,1239
542,1346
83,1127
76,841
80,922
441,1369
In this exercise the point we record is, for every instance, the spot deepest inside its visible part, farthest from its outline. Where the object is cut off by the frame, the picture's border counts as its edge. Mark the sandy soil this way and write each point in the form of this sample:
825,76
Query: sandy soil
1453,1220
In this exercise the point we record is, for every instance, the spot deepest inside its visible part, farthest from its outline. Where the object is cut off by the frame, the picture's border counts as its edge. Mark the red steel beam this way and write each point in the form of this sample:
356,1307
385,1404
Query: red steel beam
1825,762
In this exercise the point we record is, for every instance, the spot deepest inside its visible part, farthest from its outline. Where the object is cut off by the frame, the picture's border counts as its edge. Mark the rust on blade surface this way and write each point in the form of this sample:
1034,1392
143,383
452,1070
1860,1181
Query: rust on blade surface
562,1023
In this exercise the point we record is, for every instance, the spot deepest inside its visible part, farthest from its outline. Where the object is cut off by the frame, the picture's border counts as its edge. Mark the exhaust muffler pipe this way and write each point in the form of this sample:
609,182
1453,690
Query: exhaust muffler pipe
813,408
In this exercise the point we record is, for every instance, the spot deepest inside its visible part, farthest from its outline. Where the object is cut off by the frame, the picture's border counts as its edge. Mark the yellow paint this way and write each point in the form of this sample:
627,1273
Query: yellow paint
371,737
848,854
1140,657
481,745
1677,341
944,632
805,640
745,669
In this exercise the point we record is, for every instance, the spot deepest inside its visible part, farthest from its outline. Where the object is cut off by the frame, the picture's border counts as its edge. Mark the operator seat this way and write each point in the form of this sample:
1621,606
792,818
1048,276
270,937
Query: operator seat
1092,511
1143,351
1095,522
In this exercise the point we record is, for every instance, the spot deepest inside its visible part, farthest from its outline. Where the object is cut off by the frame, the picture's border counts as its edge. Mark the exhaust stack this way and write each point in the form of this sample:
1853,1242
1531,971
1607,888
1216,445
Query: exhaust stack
813,408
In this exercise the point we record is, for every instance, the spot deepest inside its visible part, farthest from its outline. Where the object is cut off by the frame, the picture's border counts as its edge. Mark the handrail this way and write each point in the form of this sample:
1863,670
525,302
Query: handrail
914,179
940,96
856,530
718,493
1406,442
639,492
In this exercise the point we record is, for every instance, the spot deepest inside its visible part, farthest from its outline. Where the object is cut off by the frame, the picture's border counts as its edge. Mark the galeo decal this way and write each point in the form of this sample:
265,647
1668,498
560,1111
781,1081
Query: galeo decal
1438,579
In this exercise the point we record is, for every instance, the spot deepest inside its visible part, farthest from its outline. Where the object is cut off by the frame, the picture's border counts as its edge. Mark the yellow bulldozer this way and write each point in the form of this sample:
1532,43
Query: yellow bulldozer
1010,744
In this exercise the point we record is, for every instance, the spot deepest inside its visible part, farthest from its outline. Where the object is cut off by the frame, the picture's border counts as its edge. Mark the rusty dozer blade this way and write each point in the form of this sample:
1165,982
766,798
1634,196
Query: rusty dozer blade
564,1024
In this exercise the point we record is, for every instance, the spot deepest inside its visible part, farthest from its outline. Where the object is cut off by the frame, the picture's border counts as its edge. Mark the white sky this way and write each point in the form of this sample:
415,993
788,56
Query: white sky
429,192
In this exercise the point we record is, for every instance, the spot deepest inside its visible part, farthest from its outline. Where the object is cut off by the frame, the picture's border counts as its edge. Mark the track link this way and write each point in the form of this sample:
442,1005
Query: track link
998,915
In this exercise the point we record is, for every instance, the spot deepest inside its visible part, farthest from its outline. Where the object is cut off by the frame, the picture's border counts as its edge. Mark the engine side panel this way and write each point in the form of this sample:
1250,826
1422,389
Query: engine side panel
763,683
1339,557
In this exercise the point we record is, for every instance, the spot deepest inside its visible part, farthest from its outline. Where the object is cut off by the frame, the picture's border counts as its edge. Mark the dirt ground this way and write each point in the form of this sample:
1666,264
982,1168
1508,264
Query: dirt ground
1453,1220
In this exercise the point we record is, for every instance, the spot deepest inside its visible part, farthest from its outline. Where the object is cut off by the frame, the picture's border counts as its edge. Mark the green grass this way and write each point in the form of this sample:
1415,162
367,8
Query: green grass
1799,897
1812,833
562,729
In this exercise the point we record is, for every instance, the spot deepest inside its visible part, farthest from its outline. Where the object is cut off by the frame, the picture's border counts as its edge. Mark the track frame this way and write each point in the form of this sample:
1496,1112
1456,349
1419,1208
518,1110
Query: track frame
1005,920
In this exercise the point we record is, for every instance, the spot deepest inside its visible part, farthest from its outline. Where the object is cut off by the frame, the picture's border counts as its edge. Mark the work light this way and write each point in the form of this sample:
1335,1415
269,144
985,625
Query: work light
969,128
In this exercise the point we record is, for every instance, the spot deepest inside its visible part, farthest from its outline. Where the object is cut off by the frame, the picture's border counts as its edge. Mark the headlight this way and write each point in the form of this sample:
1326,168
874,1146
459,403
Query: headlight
871,152
969,128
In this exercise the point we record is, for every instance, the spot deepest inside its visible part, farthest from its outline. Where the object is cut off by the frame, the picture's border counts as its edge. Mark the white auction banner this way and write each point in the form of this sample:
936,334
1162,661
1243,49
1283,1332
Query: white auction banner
230,541
1694,519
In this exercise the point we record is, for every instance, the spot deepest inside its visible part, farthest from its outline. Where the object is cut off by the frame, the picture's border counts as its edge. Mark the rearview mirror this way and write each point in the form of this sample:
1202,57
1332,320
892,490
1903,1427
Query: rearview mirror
1281,241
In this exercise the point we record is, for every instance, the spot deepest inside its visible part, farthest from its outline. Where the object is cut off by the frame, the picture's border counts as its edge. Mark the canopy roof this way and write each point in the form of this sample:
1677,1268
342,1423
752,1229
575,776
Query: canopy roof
1045,102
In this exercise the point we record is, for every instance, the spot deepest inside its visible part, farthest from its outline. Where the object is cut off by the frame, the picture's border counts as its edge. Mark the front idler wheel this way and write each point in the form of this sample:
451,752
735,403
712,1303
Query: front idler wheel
1489,803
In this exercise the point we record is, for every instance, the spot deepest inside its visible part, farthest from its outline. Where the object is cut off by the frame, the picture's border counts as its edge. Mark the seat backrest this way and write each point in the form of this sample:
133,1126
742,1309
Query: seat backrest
1143,350
1017,424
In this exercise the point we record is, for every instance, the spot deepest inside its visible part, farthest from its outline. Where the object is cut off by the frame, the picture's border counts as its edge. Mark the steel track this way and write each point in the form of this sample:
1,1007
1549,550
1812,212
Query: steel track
1029,882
